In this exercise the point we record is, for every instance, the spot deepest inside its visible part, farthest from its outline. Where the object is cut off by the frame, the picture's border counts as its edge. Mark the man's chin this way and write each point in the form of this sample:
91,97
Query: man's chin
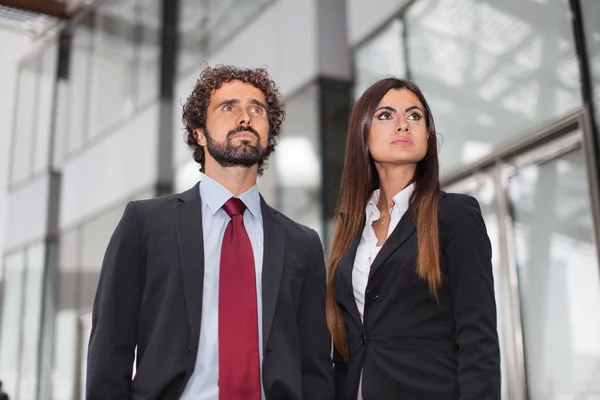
246,142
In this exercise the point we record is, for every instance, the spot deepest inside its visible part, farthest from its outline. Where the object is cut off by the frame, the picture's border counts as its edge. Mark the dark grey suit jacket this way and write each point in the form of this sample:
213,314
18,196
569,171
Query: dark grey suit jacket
410,346
150,296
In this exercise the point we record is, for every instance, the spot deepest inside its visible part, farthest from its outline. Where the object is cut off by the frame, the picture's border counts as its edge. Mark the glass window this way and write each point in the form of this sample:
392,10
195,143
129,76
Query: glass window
66,362
24,126
192,45
32,314
380,57
10,343
147,71
45,99
64,366
112,78
79,82
591,16
47,329
297,161
206,24
33,119
490,70
227,16
559,285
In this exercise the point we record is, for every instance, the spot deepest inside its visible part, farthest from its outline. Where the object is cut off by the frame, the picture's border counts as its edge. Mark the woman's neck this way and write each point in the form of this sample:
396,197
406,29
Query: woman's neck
392,180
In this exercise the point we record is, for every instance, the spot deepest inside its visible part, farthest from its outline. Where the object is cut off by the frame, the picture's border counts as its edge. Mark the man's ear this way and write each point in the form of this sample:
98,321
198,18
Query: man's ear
200,138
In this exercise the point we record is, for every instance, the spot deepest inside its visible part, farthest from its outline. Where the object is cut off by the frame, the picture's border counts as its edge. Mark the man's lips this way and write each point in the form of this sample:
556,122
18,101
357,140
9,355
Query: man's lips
244,135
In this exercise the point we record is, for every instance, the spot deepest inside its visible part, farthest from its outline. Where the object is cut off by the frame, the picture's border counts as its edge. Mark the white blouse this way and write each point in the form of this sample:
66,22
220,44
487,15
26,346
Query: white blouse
367,248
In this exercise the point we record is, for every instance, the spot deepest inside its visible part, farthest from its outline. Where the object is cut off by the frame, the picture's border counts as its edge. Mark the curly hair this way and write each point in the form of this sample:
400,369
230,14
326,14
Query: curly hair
212,78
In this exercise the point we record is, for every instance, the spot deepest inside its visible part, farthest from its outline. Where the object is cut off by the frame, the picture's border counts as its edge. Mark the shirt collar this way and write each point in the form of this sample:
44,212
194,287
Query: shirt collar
215,195
402,199
401,202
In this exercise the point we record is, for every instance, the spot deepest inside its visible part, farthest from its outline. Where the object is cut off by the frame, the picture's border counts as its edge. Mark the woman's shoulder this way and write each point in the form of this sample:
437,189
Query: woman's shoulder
458,208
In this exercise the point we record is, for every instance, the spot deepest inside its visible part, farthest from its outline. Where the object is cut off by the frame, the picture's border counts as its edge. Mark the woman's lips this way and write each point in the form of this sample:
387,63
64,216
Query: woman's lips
402,142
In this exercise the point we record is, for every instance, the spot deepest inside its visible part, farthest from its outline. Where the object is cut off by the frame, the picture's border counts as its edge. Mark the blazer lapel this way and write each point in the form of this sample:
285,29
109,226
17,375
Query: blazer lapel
273,259
188,223
401,233
347,261
345,272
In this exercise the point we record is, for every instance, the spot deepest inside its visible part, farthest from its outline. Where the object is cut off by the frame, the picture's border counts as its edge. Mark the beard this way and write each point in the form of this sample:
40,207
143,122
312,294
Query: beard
245,154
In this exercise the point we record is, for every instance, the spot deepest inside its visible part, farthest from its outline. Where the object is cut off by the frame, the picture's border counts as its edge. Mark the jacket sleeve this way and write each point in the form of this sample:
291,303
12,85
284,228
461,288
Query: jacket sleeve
315,342
467,253
116,310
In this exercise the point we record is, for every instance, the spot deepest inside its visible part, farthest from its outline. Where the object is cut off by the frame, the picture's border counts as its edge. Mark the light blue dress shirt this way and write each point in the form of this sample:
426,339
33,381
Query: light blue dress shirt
203,384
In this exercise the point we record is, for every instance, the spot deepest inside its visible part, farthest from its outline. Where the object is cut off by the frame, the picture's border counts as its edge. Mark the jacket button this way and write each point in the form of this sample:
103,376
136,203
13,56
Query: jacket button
190,348
363,338
373,294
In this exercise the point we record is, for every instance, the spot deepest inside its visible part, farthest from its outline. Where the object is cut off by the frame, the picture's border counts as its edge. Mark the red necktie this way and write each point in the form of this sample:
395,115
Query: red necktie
239,365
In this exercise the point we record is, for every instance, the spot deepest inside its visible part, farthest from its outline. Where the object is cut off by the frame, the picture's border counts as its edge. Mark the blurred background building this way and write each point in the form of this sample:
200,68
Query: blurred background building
92,119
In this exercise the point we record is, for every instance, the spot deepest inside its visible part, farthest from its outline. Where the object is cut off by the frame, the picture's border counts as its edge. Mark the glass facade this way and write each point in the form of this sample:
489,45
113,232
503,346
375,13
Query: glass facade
507,71
114,68
558,277
78,108
206,24
591,14
21,320
33,117
387,47
508,92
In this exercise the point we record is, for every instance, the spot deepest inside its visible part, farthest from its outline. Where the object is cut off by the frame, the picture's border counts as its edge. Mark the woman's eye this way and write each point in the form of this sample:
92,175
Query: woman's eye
415,117
384,115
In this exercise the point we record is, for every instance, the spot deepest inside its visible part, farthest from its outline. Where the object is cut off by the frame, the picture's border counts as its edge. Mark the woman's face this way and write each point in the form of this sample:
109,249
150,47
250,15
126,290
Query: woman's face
398,132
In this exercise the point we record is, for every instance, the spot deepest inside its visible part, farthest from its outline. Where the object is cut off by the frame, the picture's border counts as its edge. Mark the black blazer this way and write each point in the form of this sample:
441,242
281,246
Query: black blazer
411,347
150,296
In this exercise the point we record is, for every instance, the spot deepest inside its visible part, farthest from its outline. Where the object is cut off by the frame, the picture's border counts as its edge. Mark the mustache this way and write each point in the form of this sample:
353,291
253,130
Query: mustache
242,128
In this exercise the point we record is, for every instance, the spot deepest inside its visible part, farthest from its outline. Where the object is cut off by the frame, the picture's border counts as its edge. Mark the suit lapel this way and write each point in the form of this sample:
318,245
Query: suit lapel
345,272
347,261
188,222
401,233
273,259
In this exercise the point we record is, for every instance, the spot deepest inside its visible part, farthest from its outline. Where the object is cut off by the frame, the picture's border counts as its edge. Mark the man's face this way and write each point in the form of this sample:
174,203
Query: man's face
237,125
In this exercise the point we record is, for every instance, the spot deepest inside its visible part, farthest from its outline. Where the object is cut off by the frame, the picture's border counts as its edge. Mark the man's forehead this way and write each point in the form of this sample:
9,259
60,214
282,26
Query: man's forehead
237,90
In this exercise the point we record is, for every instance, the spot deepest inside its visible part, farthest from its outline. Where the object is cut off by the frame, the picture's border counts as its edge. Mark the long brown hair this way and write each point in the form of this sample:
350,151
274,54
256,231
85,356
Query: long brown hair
360,179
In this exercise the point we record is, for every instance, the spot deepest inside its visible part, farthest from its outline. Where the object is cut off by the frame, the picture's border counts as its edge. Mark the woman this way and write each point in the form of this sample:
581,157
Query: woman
410,294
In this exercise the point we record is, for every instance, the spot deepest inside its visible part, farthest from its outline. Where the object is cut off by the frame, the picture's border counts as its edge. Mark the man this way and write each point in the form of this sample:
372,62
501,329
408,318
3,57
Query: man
223,296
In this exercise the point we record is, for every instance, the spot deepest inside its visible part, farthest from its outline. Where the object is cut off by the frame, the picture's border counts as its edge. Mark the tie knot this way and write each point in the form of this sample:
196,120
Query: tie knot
234,206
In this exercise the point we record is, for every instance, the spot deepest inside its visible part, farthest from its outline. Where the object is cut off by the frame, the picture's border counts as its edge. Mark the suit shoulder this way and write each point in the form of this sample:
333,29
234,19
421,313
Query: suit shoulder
296,229
155,204
458,207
